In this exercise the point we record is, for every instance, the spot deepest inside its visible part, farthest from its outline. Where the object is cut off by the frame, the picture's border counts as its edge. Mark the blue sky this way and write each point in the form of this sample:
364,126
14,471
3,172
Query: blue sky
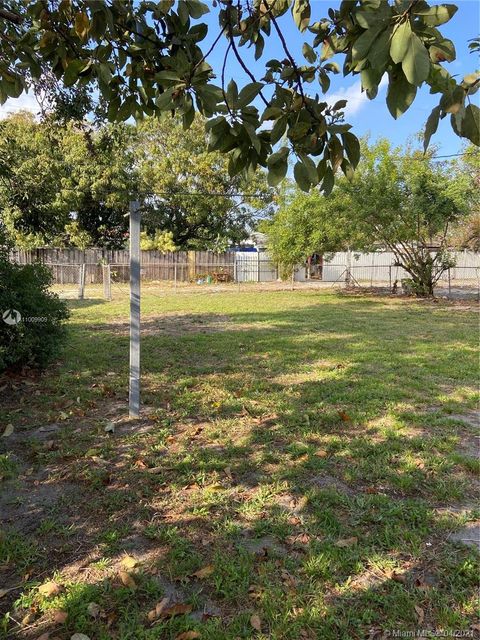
365,116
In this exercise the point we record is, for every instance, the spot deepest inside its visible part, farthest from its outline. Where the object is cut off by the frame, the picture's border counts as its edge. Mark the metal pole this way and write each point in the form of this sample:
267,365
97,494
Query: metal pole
134,386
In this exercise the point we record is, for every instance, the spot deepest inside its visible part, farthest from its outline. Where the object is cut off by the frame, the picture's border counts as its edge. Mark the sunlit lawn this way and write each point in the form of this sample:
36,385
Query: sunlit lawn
306,449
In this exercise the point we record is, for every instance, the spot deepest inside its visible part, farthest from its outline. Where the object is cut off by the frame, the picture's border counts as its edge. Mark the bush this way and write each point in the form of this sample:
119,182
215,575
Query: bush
31,317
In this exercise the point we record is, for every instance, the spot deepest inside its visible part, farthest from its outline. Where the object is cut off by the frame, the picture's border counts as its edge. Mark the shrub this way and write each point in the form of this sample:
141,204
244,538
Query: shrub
34,339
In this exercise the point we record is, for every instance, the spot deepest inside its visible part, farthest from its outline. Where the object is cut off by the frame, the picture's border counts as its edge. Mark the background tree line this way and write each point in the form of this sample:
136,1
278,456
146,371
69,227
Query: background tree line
69,185
399,199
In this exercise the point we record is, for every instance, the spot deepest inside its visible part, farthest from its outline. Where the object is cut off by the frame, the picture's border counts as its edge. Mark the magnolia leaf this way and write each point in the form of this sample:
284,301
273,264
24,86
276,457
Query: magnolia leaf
127,580
277,166
346,542
431,126
256,622
129,562
8,430
188,635
177,609
352,148
248,93
204,572
49,589
416,62
400,41
82,24
308,53
363,43
439,14
328,181
93,609
301,13
79,636
300,173
400,95
471,124
60,617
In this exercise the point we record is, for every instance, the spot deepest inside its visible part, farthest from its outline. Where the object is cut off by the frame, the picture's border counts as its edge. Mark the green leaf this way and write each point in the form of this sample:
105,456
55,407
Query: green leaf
336,152
362,44
277,166
232,94
400,95
72,71
431,126
308,53
443,51
278,129
301,175
416,63
310,167
439,14
196,8
248,93
352,148
328,181
301,13
471,124
400,41
164,100
379,53
453,99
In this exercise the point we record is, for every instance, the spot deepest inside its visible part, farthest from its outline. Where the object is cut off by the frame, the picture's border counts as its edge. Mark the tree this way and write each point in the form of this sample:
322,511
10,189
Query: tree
145,58
466,168
65,185
398,199
31,167
187,190
306,224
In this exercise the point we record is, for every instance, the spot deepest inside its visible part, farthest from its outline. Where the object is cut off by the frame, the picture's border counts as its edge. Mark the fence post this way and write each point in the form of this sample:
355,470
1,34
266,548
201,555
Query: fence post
390,277
449,283
81,292
134,386
175,275
107,285
293,278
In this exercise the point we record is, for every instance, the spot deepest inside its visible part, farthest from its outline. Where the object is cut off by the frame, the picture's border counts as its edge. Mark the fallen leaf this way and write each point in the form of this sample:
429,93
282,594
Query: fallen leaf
321,453
398,577
188,635
178,609
44,636
159,608
109,427
28,619
79,636
8,431
93,609
422,585
346,542
204,572
256,622
129,562
300,539
420,614
344,416
60,617
228,472
140,464
127,580
49,589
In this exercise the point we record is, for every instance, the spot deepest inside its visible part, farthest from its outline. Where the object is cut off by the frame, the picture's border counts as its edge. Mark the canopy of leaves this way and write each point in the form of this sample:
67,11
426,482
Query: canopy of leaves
146,58
187,189
88,175
397,199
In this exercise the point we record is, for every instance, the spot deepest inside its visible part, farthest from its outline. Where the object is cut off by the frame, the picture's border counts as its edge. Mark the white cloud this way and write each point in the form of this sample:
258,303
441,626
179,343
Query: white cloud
356,98
26,102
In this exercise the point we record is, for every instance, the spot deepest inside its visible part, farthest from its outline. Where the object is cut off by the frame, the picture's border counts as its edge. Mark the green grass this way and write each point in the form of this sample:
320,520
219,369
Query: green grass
319,425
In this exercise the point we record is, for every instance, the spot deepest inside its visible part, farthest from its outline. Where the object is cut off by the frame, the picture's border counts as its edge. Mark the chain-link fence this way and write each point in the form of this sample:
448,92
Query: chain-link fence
203,272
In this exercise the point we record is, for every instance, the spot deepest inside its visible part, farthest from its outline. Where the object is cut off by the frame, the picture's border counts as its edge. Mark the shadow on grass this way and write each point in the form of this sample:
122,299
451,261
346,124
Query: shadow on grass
297,452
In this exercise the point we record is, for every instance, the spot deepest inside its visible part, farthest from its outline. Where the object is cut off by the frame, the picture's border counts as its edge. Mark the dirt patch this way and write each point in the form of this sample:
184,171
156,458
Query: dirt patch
329,482
469,535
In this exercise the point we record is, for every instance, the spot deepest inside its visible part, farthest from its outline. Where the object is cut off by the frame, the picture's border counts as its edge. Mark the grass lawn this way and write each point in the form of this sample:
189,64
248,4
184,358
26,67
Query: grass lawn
302,463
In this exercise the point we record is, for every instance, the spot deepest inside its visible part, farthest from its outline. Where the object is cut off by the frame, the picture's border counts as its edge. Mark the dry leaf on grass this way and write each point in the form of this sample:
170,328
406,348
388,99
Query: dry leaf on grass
178,609
44,636
420,614
8,431
93,609
344,416
256,622
49,589
60,617
159,607
321,453
204,572
129,562
127,580
79,636
346,542
398,577
188,635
